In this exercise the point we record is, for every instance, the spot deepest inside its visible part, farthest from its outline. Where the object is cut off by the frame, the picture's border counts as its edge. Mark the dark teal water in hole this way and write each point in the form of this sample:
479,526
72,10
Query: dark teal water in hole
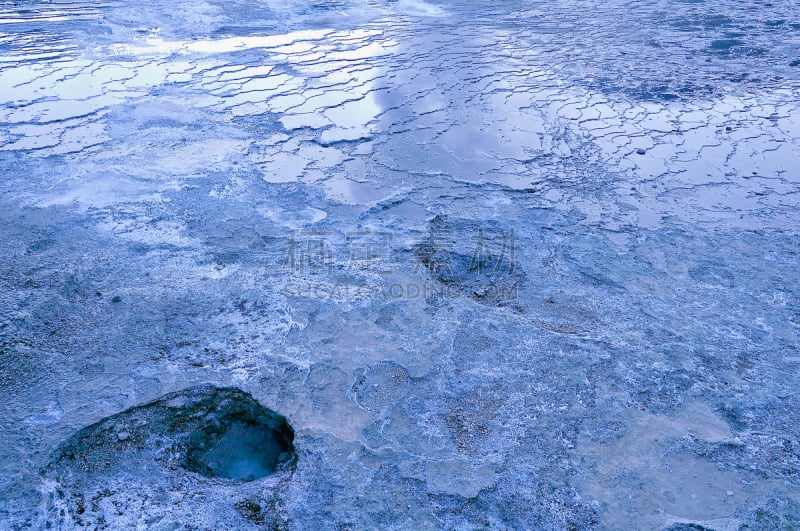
242,451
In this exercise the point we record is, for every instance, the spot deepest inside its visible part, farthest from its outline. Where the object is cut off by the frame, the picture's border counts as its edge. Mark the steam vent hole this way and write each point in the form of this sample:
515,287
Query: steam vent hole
241,449
218,432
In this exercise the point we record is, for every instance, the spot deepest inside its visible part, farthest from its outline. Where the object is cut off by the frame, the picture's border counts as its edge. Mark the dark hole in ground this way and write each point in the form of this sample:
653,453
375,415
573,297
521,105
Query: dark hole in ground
244,450
217,432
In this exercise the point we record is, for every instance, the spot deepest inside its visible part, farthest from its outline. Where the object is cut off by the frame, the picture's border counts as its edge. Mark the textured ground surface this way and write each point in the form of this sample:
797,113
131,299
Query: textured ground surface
505,264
